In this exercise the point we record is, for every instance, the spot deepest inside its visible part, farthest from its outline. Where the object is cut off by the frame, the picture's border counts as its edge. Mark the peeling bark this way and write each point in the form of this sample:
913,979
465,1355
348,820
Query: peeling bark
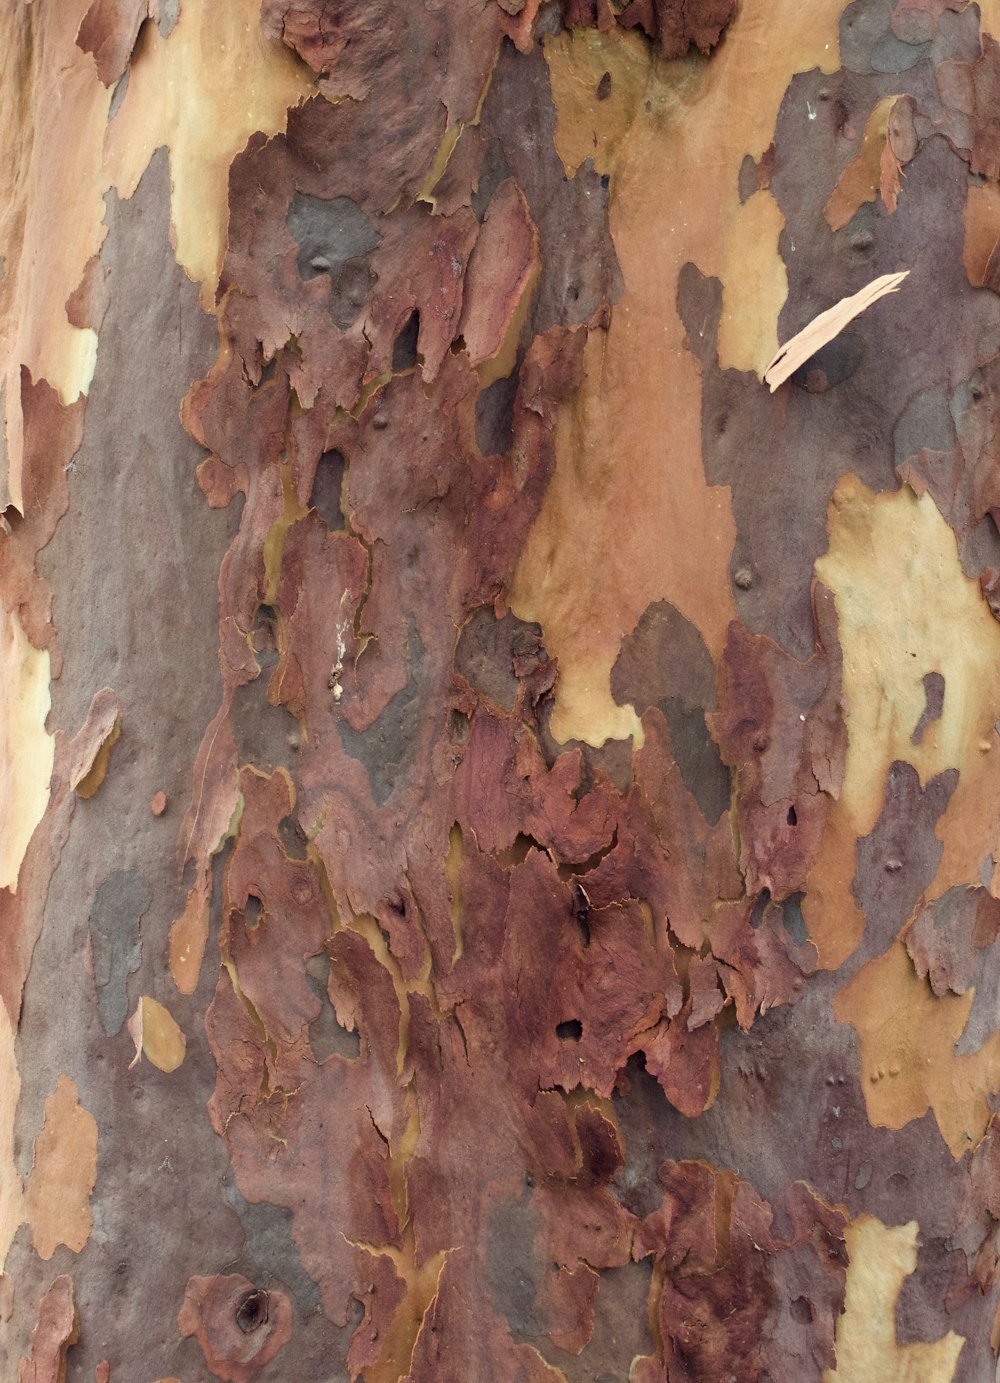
499,852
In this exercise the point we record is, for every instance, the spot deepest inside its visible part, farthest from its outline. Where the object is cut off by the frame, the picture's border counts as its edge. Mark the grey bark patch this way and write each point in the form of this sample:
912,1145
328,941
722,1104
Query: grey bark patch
513,1265
933,704
169,14
495,416
335,237
579,266
404,348
134,565
891,54
831,365
121,902
699,306
327,488
271,1247
387,747
863,26
265,735
793,918
118,95
897,860
664,663
486,651
748,177
327,1037
926,423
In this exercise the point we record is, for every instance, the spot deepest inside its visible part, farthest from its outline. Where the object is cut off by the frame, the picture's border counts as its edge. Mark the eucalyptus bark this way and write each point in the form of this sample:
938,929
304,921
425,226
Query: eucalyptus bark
501,807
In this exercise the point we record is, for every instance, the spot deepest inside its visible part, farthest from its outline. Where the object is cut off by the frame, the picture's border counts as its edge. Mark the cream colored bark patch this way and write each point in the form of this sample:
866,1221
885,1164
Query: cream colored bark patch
202,92
156,1035
27,750
881,1258
906,609
51,207
673,136
63,1172
755,284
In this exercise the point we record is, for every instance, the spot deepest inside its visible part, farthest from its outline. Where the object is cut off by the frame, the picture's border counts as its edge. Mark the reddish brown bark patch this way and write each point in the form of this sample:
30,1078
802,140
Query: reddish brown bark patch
676,25
240,1327
737,1300
58,1327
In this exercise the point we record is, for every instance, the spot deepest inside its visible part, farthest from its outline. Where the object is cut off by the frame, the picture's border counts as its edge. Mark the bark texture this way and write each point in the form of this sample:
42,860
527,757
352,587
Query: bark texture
501,810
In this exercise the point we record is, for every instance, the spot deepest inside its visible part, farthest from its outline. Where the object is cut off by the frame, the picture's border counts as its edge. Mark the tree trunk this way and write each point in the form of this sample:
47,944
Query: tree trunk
501,801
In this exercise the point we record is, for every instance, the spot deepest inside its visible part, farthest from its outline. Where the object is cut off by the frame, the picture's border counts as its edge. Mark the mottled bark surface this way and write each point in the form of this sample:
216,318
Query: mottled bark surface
500,809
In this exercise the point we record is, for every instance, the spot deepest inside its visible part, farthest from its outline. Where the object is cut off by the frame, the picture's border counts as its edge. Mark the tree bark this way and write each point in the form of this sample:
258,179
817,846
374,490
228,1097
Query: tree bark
501,803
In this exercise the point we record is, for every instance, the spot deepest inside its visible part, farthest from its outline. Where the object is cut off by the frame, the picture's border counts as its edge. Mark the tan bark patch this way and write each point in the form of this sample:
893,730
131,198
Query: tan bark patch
188,935
63,1172
675,135
982,235
156,1035
91,748
908,1058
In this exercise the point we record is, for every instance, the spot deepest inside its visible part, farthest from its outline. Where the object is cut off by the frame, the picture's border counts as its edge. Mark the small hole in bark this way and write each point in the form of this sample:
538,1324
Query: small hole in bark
604,87
802,1311
570,1031
975,393
251,1313
792,819
458,727
252,912
605,181
404,351
760,907
328,484
380,421
265,633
